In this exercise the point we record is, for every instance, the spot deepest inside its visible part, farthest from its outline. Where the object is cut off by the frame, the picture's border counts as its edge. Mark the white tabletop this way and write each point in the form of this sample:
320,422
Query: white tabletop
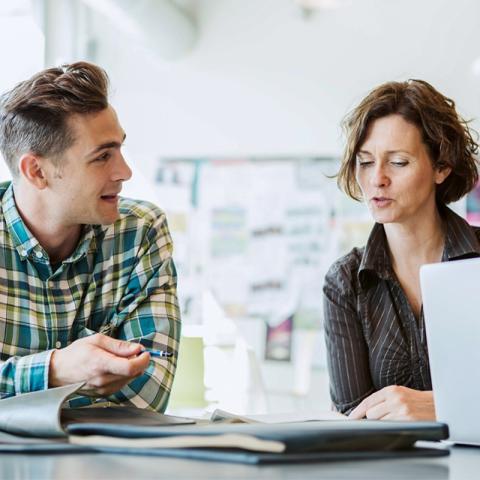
462,464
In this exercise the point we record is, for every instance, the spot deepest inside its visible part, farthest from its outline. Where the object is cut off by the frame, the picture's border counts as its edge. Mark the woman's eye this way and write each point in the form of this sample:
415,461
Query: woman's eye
399,163
365,163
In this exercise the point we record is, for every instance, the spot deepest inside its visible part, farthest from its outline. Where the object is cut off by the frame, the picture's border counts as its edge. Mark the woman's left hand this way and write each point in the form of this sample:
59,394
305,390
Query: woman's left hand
396,403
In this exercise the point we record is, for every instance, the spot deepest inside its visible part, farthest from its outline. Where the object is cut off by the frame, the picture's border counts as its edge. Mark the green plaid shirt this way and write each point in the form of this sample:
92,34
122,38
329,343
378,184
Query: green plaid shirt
120,280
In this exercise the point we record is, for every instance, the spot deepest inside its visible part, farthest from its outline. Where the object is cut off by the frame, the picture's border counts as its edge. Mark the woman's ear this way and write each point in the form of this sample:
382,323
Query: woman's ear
31,169
442,174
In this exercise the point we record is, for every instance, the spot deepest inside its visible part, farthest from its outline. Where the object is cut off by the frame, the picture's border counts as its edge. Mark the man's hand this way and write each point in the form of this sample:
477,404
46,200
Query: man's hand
103,363
396,403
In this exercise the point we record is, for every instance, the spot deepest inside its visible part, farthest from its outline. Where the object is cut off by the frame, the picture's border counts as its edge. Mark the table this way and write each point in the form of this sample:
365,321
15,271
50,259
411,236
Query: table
462,464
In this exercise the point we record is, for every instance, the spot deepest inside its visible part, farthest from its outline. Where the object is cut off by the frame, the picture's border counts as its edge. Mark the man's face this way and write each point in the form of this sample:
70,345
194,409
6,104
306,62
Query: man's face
84,187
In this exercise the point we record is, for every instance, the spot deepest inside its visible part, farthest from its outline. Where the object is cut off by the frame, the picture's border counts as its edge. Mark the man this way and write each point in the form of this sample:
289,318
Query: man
87,280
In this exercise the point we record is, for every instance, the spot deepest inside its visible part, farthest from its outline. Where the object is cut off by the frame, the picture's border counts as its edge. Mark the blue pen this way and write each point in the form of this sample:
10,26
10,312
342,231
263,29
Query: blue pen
158,353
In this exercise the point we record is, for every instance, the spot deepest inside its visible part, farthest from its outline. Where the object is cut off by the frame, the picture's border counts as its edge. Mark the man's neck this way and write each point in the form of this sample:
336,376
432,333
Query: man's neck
57,239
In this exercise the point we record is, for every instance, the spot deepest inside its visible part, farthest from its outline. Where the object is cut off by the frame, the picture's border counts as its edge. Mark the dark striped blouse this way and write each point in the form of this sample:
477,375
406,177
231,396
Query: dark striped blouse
373,337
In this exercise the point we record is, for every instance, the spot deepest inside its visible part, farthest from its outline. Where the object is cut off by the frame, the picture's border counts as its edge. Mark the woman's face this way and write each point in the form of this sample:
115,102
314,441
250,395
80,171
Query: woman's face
395,173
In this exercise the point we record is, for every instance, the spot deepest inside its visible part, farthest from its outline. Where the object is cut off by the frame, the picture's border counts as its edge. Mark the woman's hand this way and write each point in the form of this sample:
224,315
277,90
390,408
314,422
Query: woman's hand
396,403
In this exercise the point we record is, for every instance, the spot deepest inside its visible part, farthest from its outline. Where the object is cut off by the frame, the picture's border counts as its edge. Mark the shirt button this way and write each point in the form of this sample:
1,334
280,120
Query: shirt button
58,344
39,254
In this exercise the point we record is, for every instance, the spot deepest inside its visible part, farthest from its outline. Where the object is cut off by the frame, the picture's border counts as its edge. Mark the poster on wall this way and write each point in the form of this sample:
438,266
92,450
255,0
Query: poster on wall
473,206
259,234
278,345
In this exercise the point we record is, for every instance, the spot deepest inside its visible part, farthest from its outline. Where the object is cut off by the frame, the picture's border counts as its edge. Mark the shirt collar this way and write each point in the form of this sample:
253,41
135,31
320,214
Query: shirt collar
460,242
460,238
376,258
24,241
86,243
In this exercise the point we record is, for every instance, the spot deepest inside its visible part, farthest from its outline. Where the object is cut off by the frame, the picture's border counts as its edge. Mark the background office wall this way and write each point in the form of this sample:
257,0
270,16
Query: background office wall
263,80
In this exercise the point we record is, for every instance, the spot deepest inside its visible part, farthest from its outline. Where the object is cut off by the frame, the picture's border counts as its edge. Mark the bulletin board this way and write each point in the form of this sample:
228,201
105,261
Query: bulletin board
259,234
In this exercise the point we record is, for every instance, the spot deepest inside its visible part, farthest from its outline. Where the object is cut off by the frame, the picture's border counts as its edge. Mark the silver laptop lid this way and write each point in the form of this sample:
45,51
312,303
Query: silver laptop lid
451,305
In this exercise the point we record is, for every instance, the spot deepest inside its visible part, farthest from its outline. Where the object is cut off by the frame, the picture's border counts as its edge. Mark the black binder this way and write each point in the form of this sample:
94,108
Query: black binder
34,422
304,442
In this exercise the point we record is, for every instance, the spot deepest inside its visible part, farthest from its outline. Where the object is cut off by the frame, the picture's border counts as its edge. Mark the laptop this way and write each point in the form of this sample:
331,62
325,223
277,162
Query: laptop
451,306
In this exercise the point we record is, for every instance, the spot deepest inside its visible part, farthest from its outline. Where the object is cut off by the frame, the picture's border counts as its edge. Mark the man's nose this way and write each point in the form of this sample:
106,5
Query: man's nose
122,171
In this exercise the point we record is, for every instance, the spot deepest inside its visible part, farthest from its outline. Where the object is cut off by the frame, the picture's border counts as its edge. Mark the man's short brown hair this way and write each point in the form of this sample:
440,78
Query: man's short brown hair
34,114
447,136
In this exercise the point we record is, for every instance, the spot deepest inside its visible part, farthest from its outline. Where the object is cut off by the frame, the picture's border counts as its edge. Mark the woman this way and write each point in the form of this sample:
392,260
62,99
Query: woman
408,154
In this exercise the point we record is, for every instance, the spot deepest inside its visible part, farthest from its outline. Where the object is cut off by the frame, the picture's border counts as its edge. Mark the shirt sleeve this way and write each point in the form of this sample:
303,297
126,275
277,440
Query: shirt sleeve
149,313
347,352
24,374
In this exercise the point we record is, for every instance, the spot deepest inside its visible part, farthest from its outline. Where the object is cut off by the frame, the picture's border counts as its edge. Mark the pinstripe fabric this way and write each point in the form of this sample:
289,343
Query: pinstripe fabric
120,280
373,338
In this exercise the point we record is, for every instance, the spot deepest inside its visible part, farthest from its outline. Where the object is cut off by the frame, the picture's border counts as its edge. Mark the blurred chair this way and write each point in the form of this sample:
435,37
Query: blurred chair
188,392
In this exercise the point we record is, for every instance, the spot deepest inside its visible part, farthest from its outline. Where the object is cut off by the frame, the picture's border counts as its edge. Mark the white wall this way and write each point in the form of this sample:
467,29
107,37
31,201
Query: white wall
21,55
263,80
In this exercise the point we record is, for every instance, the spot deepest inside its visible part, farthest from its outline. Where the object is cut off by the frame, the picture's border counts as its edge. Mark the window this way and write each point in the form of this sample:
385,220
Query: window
21,48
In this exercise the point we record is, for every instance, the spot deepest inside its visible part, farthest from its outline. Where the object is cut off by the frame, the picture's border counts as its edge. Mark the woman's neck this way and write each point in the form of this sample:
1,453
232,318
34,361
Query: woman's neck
416,242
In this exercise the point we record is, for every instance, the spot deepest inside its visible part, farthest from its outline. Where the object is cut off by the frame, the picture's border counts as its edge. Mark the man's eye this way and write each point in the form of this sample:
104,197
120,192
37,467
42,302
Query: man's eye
105,156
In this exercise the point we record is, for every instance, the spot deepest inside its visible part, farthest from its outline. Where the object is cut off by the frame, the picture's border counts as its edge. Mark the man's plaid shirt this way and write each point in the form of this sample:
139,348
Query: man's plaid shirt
120,280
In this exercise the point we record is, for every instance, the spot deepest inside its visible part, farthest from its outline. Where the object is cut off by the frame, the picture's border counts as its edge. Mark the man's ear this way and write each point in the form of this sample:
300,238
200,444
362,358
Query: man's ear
32,170
442,174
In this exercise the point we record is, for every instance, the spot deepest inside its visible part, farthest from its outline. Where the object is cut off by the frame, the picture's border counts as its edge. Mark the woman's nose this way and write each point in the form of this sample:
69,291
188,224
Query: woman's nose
379,176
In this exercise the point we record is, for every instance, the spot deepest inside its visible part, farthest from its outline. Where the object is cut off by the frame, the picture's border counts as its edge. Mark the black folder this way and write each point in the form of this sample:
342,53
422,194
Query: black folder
258,458
304,442
34,422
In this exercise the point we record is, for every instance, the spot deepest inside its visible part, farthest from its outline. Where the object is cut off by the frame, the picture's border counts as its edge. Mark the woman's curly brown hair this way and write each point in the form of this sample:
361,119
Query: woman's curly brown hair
447,136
